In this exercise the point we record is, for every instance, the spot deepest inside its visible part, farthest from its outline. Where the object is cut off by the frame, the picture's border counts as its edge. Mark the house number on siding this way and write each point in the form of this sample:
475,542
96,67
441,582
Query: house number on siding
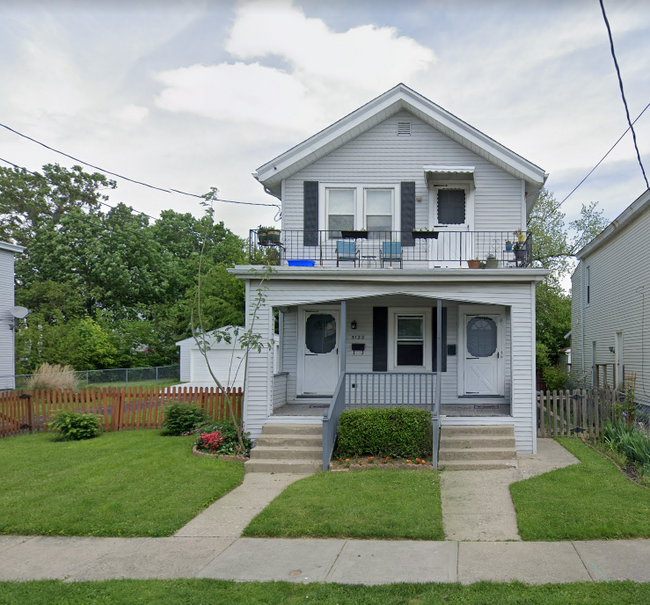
358,337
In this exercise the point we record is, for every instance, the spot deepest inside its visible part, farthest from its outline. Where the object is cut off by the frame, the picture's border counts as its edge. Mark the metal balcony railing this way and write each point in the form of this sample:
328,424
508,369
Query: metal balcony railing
392,249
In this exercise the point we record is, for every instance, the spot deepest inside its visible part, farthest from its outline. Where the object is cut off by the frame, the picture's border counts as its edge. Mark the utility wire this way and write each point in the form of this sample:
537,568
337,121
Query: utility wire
620,84
603,158
126,178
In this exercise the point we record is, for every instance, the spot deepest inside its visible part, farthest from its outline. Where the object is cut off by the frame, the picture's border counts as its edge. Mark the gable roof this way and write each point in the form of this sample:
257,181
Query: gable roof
399,98
627,217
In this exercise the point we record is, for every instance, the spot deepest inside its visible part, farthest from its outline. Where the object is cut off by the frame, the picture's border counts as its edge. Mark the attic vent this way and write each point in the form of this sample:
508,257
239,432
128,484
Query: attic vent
404,129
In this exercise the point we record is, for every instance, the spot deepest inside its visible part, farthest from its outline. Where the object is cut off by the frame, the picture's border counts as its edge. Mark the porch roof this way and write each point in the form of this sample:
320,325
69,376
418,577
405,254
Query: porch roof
459,275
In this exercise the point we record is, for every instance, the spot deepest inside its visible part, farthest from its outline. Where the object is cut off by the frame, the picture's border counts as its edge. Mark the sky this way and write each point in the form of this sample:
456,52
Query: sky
190,95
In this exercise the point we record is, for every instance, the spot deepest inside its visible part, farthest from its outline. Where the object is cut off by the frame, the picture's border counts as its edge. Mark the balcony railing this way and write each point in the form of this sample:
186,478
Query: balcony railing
392,249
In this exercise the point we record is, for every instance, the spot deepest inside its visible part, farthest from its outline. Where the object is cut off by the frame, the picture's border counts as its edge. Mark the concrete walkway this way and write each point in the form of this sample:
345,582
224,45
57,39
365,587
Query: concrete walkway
342,561
476,505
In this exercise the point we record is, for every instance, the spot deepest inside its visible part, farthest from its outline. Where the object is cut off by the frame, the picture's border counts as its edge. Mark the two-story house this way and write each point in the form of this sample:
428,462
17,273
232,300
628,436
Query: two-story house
383,214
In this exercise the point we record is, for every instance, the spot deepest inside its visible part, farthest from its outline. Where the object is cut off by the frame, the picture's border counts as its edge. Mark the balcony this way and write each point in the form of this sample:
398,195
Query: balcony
392,249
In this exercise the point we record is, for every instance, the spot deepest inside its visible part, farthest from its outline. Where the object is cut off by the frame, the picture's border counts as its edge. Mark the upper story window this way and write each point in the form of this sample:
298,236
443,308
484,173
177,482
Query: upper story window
587,285
372,208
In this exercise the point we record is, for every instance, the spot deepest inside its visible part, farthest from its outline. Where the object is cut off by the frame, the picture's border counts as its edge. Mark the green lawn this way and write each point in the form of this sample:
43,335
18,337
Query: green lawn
131,483
589,501
201,592
376,503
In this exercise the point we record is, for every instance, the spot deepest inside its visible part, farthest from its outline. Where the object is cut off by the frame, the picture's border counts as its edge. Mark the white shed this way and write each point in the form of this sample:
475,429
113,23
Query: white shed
225,360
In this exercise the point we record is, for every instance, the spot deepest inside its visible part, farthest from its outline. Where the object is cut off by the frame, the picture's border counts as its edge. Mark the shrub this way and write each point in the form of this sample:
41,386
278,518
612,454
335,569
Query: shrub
74,426
229,446
394,432
210,442
630,441
182,418
53,376
555,378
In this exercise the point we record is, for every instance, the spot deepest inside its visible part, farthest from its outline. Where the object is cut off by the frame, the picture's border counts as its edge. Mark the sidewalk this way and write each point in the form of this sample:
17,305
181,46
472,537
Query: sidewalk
342,561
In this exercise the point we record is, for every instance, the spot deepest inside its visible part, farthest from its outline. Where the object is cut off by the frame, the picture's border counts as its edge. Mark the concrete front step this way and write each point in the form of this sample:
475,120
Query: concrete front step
292,429
482,431
477,465
477,453
300,467
281,440
465,441
287,453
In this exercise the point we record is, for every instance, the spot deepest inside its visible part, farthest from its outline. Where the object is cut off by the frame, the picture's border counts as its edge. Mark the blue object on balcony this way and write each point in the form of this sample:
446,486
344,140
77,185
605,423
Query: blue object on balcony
391,252
301,263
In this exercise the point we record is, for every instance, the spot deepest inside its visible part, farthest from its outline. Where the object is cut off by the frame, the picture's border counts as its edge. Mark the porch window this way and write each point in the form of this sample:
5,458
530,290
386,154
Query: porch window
379,212
340,210
410,340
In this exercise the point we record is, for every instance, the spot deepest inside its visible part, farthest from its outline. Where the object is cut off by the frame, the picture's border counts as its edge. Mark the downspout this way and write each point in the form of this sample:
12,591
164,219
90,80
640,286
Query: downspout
436,410
582,316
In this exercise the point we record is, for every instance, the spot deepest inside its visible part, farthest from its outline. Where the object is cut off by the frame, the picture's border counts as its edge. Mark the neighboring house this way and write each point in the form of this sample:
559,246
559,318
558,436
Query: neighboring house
226,361
7,319
610,315
361,322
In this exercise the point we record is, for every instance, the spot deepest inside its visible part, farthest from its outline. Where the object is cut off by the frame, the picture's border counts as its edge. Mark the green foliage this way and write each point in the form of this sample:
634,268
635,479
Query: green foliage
394,432
553,318
631,441
74,426
555,378
230,444
182,418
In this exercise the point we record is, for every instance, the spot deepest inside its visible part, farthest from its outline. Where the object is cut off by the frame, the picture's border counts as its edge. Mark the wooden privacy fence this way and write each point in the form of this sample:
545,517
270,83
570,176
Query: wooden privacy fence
574,413
119,408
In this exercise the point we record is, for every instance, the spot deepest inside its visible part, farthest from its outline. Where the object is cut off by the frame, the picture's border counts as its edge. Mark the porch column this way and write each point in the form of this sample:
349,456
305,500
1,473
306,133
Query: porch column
436,409
343,334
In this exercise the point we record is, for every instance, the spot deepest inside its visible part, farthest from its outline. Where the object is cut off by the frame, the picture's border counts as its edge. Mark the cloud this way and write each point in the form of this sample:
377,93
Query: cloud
327,73
131,114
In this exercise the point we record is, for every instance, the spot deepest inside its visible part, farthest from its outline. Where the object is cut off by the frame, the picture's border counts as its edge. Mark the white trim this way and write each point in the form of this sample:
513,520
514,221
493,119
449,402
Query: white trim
469,189
393,312
533,370
465,311
11,247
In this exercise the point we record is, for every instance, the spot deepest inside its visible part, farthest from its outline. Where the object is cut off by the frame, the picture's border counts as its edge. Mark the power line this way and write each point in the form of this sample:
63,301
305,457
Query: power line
126,178
603,158
620,84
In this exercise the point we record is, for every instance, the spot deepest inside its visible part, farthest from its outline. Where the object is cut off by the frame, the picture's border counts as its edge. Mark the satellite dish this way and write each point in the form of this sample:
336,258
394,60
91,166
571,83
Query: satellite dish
19,312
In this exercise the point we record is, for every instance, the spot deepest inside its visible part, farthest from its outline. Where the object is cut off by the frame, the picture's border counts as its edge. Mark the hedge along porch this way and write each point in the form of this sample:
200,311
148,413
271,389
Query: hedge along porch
381,306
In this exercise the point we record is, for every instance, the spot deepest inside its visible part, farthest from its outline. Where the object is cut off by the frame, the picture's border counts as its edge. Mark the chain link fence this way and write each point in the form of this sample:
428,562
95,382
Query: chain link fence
120,377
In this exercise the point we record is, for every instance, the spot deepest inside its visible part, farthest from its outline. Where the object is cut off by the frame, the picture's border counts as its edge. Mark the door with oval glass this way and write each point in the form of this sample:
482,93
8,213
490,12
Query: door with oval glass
320,367
483,363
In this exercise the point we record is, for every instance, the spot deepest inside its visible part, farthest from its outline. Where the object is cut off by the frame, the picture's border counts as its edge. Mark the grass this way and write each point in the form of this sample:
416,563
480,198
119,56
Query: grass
130,483
200,592
589,501
375,503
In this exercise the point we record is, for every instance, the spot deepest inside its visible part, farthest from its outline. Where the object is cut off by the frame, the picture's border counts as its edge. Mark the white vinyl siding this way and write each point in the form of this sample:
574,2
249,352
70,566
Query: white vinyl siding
619,302
379,157
7,366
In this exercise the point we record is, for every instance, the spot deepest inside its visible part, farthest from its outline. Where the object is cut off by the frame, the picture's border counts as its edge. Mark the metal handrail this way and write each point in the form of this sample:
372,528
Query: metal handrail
331,420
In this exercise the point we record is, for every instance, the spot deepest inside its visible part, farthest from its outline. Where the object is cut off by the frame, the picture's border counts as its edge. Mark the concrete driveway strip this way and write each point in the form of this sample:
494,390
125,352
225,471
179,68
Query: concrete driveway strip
228,516
387,562
529,562
616,560
255,559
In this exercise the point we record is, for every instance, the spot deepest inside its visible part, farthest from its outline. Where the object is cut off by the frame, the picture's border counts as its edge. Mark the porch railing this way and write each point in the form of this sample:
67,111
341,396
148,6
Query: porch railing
356,390
370,249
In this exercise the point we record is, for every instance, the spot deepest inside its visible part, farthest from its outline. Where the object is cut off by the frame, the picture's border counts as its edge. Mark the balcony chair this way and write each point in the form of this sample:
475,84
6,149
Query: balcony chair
391,252
347,251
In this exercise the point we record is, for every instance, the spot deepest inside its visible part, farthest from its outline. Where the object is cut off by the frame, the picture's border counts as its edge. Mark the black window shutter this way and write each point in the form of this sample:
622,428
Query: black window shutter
408,213
434,334
310,190
380,339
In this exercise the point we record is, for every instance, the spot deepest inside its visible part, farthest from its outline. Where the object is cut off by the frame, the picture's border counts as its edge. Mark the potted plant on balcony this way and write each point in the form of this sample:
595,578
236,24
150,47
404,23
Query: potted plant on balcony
474,263
491,261
521,236
508,245
354,233
268,236
520,252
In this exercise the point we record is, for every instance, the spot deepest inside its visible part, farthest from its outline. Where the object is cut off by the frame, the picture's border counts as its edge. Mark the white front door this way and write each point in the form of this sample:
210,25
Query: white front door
483,363
320,352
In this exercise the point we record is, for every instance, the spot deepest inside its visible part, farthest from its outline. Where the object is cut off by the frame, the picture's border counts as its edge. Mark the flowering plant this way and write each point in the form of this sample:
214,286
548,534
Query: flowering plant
210,442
